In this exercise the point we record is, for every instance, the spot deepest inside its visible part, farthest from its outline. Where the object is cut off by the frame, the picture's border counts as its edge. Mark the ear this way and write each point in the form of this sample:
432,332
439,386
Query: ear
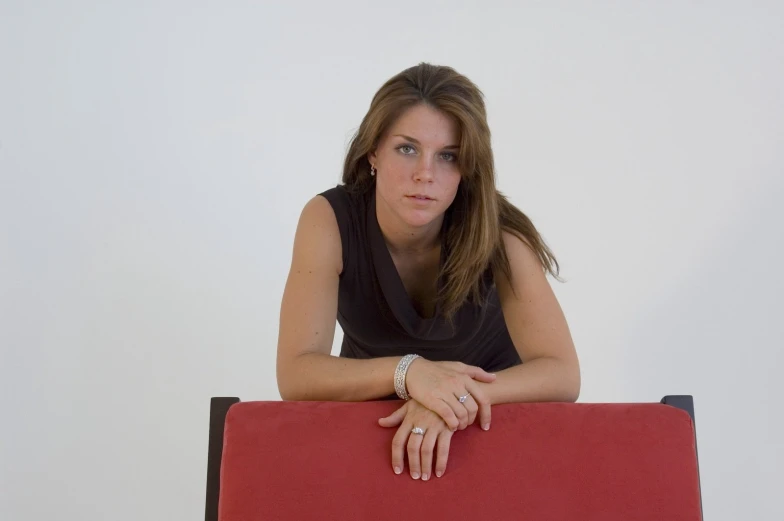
371,157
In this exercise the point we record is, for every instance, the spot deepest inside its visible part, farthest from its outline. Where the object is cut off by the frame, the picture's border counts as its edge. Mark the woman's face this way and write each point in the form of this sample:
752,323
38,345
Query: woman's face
416,164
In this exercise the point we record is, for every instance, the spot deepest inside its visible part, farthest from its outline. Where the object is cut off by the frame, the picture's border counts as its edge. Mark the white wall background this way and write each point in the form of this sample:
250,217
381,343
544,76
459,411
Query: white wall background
154,158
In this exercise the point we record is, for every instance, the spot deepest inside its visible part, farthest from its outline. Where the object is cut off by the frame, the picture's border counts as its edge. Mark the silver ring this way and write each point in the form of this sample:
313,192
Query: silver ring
417,430
462,399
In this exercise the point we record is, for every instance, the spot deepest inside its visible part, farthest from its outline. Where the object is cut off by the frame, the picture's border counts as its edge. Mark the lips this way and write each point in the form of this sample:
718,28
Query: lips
420,197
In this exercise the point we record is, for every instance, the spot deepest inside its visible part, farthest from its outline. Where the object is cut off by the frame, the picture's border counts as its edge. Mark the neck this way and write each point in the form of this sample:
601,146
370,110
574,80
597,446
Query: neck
403,238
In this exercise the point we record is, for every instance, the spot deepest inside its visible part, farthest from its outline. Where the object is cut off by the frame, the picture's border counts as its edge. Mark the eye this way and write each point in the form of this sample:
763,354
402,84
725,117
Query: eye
406,149
448,156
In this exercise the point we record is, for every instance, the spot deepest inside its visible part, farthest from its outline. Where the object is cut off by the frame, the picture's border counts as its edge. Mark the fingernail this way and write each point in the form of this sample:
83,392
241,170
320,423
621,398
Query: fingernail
486,426
424,477
398,470
438,473
415,475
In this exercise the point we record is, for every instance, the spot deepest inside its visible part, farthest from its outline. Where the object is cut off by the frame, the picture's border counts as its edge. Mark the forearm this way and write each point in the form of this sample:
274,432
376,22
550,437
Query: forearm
322,377
541,380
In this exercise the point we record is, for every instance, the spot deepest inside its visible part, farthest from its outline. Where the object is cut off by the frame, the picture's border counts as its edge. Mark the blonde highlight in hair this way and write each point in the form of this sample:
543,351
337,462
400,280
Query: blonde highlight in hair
479,212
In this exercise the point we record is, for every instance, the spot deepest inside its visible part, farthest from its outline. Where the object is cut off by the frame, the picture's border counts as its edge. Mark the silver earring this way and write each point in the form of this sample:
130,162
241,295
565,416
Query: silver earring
372,170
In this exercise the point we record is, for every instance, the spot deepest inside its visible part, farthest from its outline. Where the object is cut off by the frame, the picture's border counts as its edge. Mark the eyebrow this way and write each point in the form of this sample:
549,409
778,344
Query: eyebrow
416,142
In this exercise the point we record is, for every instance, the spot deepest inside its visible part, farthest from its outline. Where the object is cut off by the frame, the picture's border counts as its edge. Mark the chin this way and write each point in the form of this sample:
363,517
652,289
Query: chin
417,219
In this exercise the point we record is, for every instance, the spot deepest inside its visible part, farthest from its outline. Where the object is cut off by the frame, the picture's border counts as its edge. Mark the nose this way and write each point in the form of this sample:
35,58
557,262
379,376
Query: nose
424,170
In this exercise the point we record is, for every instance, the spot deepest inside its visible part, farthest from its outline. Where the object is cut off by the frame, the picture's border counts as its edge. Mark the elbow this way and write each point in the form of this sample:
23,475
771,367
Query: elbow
289,393
566,380
295,383
287,387
286,394
572,394
572,383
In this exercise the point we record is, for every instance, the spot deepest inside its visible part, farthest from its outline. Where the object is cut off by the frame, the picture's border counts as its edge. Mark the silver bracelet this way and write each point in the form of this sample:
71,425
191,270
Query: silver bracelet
400,376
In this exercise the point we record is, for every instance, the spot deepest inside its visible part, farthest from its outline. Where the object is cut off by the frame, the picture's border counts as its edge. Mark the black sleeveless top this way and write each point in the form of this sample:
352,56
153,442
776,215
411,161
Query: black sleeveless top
377,316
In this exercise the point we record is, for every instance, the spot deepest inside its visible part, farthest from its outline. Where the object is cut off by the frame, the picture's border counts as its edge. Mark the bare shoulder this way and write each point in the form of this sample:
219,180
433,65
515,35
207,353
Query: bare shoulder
317,241
523,261
319,209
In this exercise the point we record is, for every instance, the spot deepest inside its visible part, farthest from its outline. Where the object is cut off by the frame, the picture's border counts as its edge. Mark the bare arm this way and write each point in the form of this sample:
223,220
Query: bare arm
305,368
536,323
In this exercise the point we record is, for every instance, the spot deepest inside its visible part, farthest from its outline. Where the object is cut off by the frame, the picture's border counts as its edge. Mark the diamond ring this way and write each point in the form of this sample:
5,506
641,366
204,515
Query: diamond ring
417,430
462,399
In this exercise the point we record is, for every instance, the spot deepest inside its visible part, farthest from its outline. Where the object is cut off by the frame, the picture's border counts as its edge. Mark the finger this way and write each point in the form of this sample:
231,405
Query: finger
441,408
394,419
472,408
444,439
460,412
479,374
482,402
414,445
426,452
399,447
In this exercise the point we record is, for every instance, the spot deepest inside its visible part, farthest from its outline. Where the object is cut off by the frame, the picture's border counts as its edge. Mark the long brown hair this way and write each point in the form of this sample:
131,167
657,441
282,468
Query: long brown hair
480,212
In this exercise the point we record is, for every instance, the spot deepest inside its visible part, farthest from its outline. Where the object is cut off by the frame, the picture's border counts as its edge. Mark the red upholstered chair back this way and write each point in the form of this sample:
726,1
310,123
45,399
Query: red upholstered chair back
542,461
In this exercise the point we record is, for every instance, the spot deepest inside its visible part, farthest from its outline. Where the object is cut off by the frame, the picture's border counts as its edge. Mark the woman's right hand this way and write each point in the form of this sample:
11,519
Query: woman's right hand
439,386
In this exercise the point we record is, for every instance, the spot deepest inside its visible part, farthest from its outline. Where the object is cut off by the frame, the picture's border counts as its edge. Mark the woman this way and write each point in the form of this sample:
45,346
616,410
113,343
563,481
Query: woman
438,282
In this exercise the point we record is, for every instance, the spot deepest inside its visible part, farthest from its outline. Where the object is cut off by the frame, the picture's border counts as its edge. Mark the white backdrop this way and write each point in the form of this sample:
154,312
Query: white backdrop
155,156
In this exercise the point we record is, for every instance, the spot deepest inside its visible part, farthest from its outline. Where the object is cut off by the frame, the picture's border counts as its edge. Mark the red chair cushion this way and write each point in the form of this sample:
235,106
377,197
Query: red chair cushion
542,461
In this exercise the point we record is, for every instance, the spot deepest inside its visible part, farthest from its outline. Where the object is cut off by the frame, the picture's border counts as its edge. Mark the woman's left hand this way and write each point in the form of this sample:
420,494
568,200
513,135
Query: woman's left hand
420,447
